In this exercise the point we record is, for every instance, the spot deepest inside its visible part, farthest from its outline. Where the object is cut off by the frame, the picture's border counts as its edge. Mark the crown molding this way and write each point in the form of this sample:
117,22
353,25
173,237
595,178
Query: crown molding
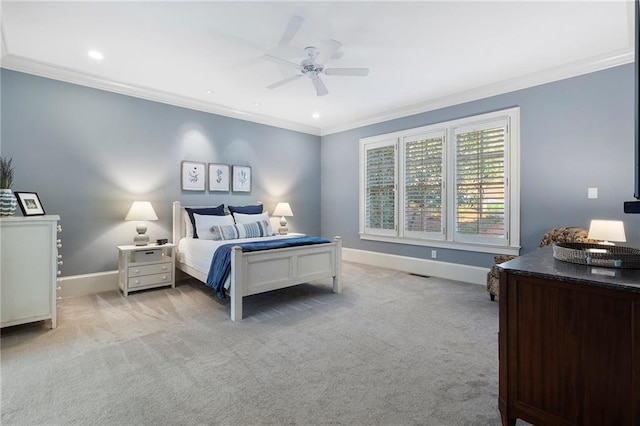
29,66
42,69
523,82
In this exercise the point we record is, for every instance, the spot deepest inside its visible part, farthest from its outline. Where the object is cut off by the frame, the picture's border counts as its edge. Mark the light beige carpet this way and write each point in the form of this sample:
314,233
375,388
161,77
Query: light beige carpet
392,349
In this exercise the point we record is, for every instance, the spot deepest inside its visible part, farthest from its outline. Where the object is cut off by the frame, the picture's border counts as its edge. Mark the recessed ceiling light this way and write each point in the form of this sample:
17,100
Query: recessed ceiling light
94,54
256,103
315,115
208,91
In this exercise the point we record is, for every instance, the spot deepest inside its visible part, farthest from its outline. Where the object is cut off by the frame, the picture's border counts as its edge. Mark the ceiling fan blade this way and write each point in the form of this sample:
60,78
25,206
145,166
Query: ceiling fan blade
347,71
328,52
321,89
285,81
292,29
281,61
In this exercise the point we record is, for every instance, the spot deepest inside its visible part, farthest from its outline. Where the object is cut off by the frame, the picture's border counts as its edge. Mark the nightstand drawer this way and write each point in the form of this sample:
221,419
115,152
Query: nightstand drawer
160,268
150,280
147,255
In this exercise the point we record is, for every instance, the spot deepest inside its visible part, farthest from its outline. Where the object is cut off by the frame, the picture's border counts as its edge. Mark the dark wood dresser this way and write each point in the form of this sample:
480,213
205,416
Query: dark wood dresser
569,343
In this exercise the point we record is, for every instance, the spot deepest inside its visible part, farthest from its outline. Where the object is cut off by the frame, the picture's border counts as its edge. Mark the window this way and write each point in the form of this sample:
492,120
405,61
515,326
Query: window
423,208
380,198
452,184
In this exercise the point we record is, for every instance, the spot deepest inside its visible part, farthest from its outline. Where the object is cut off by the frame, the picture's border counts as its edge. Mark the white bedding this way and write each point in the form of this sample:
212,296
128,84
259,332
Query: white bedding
197,253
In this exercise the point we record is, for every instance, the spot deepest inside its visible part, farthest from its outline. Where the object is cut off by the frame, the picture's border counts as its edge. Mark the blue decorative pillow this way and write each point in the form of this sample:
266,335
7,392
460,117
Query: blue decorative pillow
210,211
256,209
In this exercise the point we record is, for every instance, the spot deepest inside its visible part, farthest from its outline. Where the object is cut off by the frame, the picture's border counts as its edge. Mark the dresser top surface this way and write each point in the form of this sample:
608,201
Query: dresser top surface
541,263
40,218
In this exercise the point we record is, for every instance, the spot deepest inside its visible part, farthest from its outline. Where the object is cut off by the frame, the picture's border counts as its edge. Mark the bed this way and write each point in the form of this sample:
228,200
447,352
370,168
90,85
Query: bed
257,271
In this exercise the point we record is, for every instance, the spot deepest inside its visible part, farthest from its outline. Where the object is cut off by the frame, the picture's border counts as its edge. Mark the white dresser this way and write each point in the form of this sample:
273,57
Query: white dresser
29,262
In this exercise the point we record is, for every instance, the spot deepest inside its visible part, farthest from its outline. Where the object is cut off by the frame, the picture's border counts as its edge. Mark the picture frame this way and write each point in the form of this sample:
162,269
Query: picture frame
193,175
241,179
219,177
29,203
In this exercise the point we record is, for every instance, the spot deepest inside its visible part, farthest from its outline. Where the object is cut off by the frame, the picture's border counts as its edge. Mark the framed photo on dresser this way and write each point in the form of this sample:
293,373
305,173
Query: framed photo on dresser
29,203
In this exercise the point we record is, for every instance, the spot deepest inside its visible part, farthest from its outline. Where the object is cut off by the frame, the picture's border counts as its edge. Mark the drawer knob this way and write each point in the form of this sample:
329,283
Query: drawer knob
58,288
137,271
137,282
59,228
59,245
59,273
59,256
164,277
60,262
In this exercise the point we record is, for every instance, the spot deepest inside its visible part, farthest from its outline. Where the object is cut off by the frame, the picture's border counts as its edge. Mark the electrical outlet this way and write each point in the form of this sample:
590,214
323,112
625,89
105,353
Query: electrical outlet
433,254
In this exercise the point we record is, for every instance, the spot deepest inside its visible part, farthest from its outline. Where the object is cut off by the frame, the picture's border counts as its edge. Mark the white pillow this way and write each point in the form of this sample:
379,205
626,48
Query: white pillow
188,227
241,218
206,223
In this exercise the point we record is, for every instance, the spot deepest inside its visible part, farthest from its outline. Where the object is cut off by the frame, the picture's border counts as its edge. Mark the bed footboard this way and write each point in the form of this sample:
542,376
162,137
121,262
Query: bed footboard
262,271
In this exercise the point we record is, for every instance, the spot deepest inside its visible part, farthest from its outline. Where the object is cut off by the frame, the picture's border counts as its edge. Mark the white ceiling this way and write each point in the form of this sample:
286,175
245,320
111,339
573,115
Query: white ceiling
421,55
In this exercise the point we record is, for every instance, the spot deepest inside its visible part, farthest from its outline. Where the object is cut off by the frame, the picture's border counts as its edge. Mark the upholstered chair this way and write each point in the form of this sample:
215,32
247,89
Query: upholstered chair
565,234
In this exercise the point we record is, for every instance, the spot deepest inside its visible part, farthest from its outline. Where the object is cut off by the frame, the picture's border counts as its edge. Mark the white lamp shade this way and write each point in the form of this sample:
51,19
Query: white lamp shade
607,230
141,210
282,209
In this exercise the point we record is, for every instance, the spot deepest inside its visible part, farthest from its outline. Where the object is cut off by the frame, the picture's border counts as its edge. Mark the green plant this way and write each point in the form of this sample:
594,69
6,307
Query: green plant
6,173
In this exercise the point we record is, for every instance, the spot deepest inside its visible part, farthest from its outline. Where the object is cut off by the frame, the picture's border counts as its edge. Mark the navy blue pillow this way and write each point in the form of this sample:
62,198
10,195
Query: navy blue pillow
257,209
210,211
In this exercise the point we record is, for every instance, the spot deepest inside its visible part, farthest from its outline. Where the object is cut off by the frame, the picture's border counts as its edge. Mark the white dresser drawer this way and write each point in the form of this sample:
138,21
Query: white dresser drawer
137,271
149,280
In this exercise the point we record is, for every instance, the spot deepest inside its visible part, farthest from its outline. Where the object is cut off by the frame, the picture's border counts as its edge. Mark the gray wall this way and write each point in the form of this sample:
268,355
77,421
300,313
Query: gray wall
89,153
575,134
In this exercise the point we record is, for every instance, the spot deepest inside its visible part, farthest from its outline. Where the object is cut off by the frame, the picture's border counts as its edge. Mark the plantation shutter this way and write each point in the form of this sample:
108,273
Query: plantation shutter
380,188
423,192
480,191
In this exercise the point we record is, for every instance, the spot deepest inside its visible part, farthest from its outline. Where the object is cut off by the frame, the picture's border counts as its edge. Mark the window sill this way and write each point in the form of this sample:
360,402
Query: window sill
480,248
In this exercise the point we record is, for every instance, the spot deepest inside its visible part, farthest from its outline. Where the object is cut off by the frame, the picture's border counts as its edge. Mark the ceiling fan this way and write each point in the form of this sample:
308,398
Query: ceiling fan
313,65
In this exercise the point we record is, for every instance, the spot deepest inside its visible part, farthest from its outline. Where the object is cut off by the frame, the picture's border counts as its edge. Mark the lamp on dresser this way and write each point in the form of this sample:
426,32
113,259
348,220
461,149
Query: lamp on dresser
607,231
141,211
282,210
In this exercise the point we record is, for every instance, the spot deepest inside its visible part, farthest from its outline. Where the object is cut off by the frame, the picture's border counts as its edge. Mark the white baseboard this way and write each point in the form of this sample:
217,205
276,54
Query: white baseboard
432,268
82,285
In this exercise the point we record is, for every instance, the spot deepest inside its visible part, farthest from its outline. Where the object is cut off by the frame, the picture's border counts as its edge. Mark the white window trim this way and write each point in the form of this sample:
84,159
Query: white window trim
512,193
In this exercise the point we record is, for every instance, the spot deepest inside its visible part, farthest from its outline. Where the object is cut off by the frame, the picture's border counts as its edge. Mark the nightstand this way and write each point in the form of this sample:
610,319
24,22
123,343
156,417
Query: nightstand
143,267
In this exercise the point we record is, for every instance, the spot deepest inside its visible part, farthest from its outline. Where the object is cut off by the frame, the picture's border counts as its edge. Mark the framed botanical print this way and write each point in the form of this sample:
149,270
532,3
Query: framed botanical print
193,175
29,203
219,177
241,179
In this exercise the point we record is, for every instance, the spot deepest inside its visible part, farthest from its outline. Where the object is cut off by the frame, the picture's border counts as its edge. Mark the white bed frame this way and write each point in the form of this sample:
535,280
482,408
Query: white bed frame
262,271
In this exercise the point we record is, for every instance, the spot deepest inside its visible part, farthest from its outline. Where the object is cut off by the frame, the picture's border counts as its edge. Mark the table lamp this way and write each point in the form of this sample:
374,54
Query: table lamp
607,231
282,210
141,211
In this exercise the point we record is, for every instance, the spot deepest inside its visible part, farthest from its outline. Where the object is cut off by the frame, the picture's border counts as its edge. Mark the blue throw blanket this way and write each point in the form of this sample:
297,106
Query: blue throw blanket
221,262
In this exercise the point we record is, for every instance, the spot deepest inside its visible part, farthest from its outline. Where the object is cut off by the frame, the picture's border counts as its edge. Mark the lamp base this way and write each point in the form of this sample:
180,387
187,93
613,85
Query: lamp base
283,230
142,239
